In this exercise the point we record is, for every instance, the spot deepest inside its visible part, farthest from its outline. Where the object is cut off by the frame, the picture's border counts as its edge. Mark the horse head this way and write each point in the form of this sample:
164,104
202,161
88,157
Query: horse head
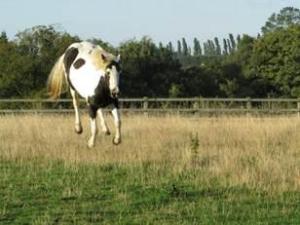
112,75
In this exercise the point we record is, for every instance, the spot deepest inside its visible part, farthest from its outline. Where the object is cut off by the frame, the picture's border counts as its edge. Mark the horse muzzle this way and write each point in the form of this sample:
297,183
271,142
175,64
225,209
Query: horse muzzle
115,93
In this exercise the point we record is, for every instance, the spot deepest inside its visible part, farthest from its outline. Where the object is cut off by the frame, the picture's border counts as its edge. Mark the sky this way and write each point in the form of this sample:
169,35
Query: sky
116,21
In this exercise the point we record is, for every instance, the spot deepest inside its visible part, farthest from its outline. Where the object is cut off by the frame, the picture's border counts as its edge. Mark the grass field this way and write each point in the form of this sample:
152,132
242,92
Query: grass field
168,170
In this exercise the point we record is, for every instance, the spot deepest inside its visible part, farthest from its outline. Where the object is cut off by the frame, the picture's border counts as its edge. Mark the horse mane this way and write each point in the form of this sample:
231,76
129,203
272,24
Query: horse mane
101,58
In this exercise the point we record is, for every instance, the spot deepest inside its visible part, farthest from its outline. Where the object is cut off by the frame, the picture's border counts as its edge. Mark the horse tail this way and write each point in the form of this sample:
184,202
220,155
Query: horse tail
56,78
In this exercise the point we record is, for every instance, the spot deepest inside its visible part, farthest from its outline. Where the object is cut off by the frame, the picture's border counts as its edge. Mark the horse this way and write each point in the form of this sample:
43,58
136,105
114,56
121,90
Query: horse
92,73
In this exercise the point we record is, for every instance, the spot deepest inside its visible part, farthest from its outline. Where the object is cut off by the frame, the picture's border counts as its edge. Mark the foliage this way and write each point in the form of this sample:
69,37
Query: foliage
286,17
25,62
13,67
147,69
241,66
276,57
197,47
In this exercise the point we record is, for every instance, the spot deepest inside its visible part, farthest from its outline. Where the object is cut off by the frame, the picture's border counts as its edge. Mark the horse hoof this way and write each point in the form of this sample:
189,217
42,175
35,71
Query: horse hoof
107,133
78,129
116,141
90,145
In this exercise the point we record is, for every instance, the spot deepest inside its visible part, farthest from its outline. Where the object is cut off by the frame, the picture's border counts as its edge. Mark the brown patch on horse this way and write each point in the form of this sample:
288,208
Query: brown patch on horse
79,63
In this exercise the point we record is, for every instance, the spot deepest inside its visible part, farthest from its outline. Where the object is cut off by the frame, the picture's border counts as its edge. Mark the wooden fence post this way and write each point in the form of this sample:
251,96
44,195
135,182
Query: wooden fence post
298,107
249,106
145,106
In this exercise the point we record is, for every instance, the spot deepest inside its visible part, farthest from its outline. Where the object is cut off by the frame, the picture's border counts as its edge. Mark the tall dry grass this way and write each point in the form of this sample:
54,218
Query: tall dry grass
257,152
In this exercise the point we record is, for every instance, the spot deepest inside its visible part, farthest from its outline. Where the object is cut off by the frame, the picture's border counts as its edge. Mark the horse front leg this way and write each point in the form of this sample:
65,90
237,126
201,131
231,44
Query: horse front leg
94,129
78,126
117,122
104,127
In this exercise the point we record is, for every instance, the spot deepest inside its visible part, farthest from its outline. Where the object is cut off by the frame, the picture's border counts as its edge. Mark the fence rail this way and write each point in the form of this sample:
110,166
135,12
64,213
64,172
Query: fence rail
163,105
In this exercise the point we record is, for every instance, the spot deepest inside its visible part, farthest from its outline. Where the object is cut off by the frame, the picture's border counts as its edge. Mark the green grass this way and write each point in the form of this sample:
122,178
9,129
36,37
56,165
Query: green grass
56,192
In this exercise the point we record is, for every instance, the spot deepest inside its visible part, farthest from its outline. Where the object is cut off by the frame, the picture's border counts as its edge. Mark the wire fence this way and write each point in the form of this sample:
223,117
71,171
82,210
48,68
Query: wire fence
163,105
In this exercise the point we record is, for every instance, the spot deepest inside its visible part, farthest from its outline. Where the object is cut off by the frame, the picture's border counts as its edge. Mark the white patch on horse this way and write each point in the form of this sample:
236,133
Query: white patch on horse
114,80
85,87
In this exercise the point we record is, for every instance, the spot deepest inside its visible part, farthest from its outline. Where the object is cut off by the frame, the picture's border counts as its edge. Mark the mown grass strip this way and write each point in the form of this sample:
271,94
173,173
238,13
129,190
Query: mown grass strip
38,192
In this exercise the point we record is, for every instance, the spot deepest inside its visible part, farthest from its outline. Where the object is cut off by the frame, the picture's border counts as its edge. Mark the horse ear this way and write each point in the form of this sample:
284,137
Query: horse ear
103,57
118,58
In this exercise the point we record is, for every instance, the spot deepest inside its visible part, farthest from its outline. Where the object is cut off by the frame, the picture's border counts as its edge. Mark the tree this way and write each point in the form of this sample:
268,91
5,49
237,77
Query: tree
179,48
225,47
218,47
170,47
42,45
232,42
160,46
238,39
209,48
175,91
3,37
276,57
185,49
286,17
147,69
229,46
16,71
197,47
198,81
239,76
267,65
242,55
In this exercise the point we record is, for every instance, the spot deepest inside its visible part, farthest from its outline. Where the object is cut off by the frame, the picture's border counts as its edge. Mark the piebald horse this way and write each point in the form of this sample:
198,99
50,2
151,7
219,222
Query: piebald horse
92,73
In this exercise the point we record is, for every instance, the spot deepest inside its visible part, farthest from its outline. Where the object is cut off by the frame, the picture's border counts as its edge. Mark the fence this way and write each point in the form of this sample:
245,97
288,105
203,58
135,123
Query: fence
163,105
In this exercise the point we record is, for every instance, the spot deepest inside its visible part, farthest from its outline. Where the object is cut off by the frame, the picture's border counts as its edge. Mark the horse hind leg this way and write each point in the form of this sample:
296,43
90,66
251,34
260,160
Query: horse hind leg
94,129
78,126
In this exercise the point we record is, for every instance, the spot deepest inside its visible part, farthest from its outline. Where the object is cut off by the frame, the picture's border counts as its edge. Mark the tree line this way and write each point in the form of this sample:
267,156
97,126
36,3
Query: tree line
267,65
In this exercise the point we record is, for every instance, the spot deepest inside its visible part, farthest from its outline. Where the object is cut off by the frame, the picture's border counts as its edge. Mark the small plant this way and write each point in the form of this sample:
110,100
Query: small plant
194,143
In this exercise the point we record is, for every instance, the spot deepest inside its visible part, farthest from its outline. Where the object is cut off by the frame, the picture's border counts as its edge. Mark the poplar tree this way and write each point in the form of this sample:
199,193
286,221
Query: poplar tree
209,48
232,41
217,46
225,47
229,46
185,49
170,47
179,48
197,48
238,39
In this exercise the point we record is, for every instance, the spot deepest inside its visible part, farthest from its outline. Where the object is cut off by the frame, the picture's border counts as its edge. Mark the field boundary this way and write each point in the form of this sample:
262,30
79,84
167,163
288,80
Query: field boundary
163,105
